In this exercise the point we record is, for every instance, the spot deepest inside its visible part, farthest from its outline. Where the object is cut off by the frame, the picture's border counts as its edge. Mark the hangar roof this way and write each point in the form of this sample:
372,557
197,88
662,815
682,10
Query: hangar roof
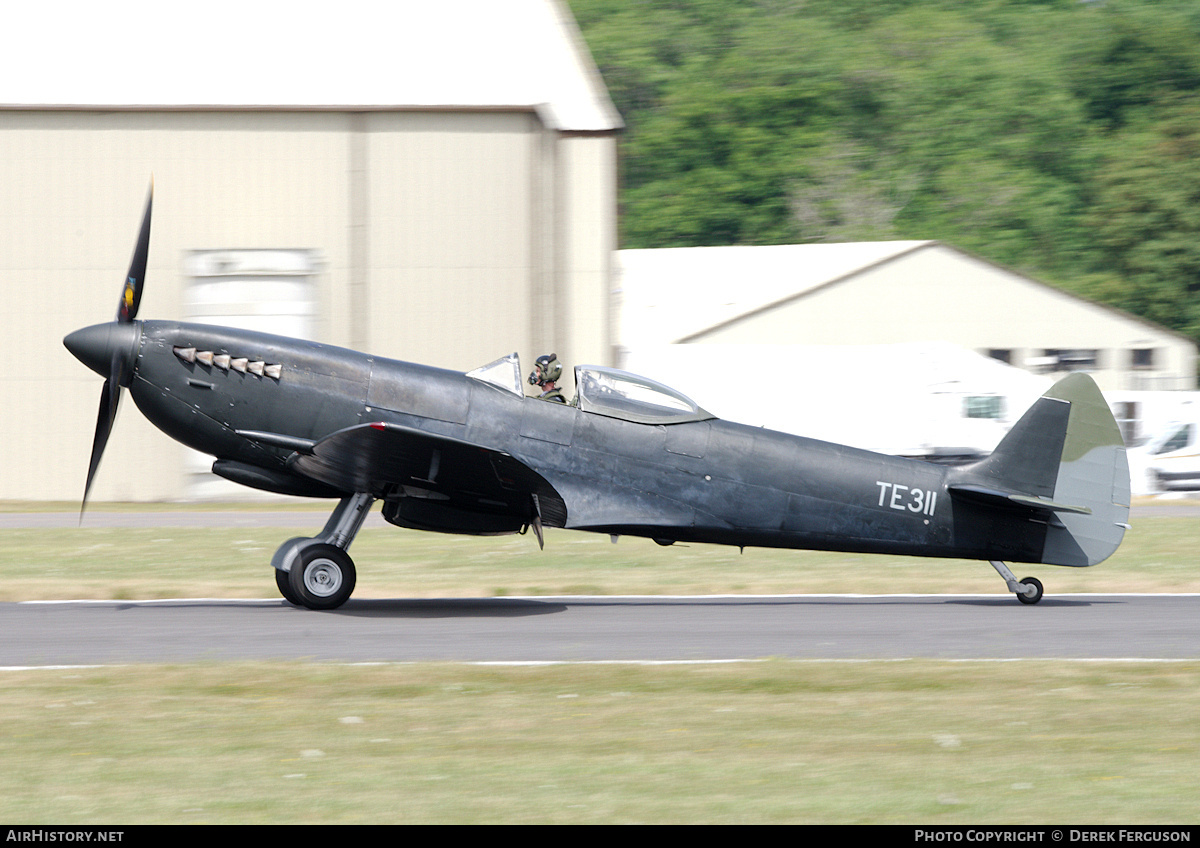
672,293
680,294
349,55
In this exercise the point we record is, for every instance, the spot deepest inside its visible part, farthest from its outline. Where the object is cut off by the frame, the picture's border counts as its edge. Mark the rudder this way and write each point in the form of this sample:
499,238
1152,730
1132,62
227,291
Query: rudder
1093,472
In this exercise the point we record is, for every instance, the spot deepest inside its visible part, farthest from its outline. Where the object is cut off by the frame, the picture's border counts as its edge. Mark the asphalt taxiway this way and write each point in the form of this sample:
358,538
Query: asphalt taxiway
597,629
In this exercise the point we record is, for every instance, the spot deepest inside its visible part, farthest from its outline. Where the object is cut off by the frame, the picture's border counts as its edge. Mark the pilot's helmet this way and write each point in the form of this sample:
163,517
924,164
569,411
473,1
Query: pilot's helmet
547,369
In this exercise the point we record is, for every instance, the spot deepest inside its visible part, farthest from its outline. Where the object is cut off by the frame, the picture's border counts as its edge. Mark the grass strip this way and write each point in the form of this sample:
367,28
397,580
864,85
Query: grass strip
777,741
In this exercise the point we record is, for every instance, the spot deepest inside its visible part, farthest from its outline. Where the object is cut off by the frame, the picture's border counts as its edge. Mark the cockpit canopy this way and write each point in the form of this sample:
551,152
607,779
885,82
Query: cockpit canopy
605,391
619,394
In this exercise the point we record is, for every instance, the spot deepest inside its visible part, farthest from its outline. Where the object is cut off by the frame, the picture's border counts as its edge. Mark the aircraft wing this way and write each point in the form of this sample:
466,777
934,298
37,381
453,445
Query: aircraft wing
444,473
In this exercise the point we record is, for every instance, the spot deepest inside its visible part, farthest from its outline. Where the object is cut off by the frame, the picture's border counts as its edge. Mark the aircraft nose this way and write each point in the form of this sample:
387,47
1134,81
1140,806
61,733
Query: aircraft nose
101,345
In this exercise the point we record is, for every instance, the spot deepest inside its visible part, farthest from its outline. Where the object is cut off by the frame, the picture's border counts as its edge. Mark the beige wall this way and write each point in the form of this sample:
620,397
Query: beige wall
938,293
590,243
451,222
436,231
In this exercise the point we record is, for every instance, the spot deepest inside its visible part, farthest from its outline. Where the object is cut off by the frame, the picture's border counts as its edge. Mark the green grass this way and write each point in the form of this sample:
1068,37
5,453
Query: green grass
779,741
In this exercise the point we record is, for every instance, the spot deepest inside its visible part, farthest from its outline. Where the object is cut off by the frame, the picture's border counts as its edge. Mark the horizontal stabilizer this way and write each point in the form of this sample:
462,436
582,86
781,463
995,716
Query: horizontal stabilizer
1031,501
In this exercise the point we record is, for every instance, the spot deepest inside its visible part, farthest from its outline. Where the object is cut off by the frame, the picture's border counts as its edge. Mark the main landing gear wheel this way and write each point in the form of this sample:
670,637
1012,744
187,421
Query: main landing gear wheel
316,572
322,577
1031,597
283,582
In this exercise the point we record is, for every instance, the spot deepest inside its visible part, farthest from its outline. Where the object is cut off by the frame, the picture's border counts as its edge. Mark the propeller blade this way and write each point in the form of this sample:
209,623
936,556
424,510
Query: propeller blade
110,396
131,293
94,345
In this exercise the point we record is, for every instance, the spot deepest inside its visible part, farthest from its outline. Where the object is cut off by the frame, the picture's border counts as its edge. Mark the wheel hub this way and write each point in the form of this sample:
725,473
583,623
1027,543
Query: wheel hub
322,578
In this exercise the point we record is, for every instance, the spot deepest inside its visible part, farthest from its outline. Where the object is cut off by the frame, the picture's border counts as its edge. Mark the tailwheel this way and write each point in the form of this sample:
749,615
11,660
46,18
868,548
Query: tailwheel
322,577
1028,591
1031,590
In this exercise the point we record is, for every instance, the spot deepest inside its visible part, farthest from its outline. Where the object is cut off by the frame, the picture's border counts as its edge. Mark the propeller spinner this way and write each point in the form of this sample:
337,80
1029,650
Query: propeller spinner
111,349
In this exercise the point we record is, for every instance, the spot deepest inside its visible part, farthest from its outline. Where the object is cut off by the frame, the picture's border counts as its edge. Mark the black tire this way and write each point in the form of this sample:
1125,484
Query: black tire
1036,596
322,577
283,582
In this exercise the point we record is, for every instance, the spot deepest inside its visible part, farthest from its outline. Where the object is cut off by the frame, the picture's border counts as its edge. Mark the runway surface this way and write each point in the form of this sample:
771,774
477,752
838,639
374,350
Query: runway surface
604,629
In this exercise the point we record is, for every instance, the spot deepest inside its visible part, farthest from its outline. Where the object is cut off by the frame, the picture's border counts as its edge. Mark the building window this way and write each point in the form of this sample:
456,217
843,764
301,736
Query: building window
1142,358
1079,359
983,406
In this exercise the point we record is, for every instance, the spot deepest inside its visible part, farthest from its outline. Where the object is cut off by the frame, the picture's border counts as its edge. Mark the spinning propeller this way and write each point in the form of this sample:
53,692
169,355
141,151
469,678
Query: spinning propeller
111,349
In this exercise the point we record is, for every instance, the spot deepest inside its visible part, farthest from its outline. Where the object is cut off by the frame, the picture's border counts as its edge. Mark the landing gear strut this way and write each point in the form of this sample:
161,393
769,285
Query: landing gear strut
316,572
1028,591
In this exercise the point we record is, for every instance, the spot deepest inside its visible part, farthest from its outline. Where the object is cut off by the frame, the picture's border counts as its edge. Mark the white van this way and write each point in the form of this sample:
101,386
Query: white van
1172,457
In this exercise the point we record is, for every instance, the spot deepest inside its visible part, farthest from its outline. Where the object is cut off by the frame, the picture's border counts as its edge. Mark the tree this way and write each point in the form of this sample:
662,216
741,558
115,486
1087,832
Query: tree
1146,220
1053,136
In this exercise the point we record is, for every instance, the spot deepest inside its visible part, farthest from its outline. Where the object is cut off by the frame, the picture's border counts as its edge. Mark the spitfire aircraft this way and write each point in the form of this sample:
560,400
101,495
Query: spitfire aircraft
469,453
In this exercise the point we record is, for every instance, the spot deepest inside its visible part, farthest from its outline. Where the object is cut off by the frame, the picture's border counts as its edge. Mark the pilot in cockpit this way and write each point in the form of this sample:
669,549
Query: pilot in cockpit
546,371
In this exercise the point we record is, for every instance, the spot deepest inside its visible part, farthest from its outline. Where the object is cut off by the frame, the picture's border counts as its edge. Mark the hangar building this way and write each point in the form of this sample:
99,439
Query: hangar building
432,182
887,293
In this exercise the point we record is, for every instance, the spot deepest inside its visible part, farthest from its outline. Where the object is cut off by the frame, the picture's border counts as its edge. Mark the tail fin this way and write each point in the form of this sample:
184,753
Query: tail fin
1064,459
